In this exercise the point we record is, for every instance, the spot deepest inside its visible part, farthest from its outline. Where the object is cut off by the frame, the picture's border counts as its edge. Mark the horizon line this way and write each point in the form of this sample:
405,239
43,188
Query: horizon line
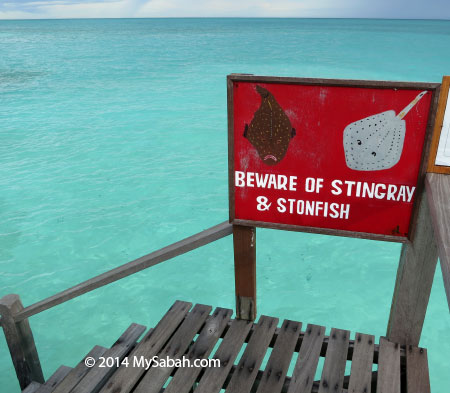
225,17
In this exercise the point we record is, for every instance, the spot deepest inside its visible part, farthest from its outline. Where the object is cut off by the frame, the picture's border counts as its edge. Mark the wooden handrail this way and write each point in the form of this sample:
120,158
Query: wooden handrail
190,243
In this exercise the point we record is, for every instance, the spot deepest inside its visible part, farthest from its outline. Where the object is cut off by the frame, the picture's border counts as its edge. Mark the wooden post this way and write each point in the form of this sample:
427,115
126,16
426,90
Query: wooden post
20,342
244,242
414,280
438,191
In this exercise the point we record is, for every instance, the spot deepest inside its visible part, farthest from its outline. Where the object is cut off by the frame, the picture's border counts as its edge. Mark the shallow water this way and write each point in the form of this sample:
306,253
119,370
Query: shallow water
113,143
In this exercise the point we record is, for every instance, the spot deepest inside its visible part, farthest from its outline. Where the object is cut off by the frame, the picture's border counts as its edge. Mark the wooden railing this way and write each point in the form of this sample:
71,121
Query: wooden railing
14,317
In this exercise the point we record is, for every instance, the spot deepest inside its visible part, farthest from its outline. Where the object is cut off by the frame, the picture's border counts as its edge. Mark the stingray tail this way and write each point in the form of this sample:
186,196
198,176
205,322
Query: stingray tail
408,107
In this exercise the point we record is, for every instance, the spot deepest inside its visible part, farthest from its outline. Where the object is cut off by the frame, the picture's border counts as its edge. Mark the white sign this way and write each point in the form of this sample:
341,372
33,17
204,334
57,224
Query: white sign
443,152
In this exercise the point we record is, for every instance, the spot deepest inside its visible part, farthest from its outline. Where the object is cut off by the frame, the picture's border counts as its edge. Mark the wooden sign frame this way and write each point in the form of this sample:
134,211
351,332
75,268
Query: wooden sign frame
432,87
443,97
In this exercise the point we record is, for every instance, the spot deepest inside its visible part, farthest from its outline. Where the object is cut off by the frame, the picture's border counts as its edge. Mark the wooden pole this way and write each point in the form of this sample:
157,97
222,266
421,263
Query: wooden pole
414,280
20,342
438,191
244,243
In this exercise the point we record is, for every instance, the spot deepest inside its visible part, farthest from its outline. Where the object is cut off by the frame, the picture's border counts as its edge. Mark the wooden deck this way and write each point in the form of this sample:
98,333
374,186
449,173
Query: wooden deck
246,362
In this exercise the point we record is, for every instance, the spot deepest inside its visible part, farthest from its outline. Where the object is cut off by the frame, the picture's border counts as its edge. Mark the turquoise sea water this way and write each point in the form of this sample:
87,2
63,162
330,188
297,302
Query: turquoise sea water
113,144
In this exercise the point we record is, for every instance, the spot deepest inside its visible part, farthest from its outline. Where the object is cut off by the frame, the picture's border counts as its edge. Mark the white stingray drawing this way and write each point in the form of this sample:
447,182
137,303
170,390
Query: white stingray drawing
376,142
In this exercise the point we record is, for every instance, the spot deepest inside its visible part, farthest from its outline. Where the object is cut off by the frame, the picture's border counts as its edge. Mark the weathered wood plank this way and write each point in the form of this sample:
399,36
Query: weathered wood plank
247,369
96,377
190,243
287,381
438,124
130,335
244,245
20,342
414,280
324,344
32,387
417,377
214,378
124,379
54,380
362,362
277,367
79,371
388,367
332,379
332,82
185,377
156,377
438,191
308,357
321,231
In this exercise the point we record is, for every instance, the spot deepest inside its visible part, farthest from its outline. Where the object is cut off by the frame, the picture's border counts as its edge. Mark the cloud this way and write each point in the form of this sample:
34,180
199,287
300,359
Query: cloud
13,14
239,8
113,9
169,8
26,9
70,9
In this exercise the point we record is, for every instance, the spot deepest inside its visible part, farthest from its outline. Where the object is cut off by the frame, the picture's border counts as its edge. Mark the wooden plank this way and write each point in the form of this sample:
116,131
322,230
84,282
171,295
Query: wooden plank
438,192
244,244
287,381
332,82
417,377
214,377
130,335
156,377
230,111
54,380
277,367
413,284
443,96
308,357
96,377
420,190
324,344
190,243
124,379
20,342
185,377
79,371
247,369
388,367
335,360
321,231
32,387
362,362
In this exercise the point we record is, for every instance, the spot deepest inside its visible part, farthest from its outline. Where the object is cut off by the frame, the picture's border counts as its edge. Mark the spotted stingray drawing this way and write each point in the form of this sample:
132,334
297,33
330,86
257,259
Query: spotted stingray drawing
270,130
376,142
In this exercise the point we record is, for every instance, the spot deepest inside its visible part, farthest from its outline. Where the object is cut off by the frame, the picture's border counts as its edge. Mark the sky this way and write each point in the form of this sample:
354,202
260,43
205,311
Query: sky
396,9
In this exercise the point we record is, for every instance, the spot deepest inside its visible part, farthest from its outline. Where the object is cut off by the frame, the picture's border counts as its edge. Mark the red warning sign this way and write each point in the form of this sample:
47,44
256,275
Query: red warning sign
333,155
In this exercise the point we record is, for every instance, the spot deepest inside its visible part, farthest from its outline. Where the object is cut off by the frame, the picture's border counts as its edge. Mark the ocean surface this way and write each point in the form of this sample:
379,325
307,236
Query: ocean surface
113,143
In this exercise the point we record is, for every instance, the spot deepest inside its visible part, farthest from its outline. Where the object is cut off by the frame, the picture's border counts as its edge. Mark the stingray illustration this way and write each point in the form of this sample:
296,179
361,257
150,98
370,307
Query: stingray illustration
270,131
376,142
